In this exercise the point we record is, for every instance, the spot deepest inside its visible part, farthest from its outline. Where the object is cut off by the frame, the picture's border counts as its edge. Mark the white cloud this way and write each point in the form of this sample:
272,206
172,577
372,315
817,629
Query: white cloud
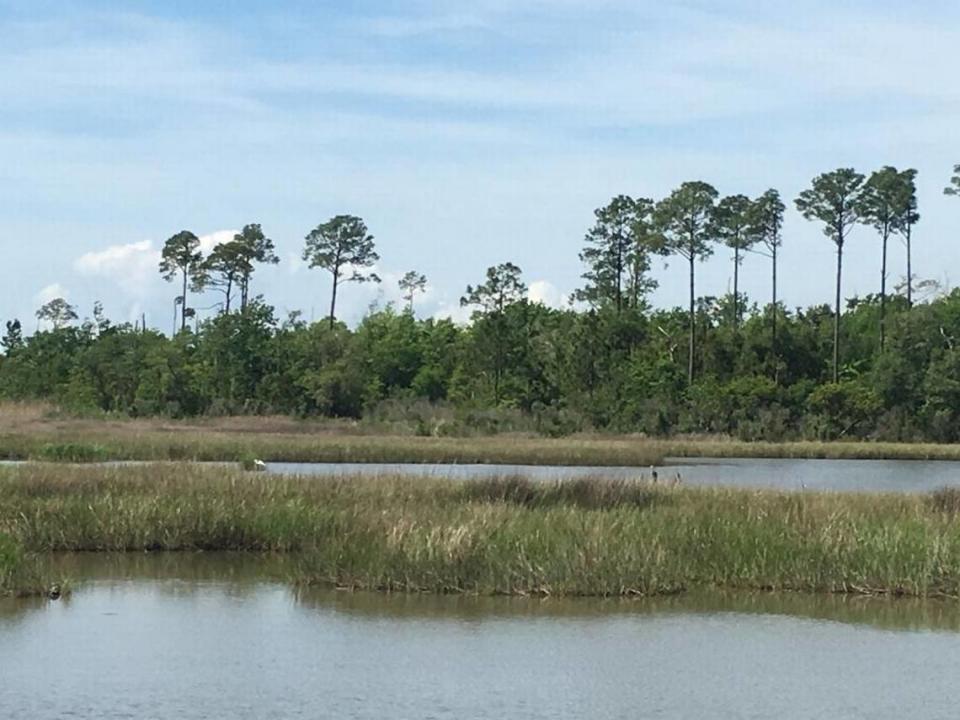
134,266
546,293
50,292
453,311
209,242
131,266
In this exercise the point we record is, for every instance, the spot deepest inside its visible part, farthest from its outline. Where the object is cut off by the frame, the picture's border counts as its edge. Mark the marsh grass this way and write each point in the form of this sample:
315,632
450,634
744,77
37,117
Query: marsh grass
501,536
41,432
945,500
71,452
11,560
19,571
725,448
277,447
585,493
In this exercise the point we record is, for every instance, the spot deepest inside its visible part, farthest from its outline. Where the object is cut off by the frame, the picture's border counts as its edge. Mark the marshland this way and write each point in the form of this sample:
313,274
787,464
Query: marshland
495,536
44,432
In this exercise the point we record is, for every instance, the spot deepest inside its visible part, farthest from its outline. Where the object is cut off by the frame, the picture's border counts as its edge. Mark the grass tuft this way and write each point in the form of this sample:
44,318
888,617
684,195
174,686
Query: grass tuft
587,493
19,574
946,500
71,452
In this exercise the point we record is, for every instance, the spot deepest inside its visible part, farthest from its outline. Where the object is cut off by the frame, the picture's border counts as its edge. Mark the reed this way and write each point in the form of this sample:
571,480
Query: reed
11,559
19,573
99,440
336,448
724,448
503,536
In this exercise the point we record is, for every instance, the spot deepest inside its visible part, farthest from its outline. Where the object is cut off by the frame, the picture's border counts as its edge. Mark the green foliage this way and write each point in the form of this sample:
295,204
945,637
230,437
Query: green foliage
733,218
954,187
339,244
839,407
763,372
181,255
686,221
520,366
835,200
13,337
617,254
58,312
766,219
72,452
410,284
254,247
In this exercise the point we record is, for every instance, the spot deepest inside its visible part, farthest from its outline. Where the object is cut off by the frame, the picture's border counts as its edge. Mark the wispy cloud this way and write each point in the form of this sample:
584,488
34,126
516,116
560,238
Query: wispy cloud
465,137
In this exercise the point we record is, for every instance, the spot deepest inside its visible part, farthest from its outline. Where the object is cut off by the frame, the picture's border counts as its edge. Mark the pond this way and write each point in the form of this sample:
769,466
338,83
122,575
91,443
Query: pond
217,636
784,474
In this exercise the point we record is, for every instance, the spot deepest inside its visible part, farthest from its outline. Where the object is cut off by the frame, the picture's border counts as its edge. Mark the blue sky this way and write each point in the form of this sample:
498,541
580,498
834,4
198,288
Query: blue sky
465,134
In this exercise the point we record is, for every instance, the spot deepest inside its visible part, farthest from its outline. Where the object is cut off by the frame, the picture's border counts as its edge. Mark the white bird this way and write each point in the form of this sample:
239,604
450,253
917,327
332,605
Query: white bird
259,465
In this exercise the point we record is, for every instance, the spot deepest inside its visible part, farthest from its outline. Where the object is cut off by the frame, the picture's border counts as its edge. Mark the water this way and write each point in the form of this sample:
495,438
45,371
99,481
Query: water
218,637
785,474
910,476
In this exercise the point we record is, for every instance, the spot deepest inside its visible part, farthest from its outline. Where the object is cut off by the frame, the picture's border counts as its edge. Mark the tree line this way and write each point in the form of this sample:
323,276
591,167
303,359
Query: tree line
617,363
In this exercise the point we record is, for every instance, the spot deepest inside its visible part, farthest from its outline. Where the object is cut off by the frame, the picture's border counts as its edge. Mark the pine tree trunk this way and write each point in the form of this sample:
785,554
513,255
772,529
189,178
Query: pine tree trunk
909,268
836,317
883,292
498,370
619,274
693,325
183,305
773,337
333,297
736,284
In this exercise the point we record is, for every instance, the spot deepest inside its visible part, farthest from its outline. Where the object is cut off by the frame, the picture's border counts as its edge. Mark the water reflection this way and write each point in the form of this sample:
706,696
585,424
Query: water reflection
879,612
215,636
241,575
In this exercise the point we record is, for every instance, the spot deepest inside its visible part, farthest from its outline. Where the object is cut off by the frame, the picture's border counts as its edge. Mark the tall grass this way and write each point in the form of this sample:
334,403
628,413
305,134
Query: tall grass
509,536
724,448
72,452
104,441
234,447
11,560
18,572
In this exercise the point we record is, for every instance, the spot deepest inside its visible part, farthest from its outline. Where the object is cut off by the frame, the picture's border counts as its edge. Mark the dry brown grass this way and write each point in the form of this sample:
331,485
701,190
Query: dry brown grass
26,427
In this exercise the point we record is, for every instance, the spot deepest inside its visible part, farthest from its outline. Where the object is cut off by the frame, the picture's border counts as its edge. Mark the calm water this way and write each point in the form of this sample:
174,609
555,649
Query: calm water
913,476
216,637
789,474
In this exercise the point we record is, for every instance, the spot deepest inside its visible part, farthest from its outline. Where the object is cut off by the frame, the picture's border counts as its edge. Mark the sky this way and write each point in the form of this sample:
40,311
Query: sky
465,134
